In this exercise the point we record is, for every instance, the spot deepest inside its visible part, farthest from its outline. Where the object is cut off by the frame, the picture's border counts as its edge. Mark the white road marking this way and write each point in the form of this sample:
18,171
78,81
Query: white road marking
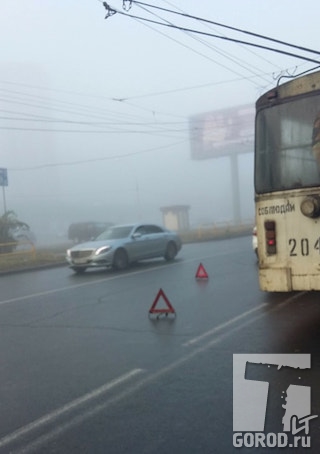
127,392
218,328
70,287
50,417
57,431
88,283
108,278
233,320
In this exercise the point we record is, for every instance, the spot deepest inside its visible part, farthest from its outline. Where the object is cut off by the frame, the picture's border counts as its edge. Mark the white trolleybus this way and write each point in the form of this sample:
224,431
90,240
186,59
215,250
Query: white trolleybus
287,185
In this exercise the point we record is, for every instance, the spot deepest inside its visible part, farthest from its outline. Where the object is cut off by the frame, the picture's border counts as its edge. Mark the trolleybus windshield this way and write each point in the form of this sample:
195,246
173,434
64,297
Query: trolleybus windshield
286,146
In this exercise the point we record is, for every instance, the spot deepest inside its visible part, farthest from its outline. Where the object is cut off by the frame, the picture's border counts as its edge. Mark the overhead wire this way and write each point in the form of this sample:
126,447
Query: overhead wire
81,108
256,35
73,112
225,54
92,160
117,100
219,63
155,127
194,87
77,113
261,57
37,118
248,43
98,131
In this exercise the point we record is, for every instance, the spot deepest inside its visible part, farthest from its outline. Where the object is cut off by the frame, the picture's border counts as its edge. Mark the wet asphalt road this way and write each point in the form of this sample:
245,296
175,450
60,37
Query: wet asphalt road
85,369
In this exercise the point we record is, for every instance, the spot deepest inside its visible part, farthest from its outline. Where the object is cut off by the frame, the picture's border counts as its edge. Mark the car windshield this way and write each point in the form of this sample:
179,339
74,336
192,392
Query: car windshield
115,233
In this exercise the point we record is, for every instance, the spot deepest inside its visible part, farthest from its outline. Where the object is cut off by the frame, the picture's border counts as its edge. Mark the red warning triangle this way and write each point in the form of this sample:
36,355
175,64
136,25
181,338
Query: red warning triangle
201,272
167,310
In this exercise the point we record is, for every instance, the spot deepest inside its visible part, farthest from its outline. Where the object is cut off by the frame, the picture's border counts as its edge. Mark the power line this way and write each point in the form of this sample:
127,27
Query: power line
160,133
194,87
87,161
256,35
248,50
204,43
155,127
259,46
50,101
118,100
87,123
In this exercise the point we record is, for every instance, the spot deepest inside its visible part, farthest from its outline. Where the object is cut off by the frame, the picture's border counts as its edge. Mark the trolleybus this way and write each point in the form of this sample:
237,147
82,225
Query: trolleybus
287,185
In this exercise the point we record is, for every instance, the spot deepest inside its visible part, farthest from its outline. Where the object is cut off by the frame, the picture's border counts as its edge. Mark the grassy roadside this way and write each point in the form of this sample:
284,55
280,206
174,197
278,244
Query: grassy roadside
27,259
215,233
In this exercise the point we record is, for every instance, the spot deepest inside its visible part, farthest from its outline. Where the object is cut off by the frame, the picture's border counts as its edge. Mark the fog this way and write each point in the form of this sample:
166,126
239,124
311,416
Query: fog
95,112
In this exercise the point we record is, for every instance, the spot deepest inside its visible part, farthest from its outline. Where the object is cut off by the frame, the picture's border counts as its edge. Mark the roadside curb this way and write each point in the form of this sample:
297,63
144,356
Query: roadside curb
32,268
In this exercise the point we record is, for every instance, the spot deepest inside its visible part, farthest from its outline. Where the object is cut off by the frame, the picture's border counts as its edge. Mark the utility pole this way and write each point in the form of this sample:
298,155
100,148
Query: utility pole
3,183
138,200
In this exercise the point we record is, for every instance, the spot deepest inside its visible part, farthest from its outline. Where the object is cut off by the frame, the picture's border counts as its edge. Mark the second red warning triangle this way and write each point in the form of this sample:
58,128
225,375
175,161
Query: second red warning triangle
201,272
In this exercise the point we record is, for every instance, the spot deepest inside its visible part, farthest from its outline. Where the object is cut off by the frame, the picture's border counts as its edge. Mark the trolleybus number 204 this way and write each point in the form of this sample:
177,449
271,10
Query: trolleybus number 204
302,247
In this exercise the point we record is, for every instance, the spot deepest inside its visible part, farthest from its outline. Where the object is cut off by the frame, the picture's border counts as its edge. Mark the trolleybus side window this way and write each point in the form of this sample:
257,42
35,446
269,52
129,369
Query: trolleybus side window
266,156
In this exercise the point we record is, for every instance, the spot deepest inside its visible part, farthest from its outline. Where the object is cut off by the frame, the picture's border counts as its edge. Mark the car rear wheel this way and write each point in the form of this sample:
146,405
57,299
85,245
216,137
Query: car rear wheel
171,251
120,260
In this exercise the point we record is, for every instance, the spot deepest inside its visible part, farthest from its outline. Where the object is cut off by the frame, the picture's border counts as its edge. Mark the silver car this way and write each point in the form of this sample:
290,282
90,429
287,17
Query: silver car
121,245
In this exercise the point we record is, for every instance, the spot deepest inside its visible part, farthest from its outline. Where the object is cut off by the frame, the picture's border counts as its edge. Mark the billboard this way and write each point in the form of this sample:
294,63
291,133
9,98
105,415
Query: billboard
222,132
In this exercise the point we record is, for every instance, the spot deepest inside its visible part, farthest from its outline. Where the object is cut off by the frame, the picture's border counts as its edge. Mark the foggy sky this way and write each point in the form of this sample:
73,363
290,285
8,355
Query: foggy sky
95,113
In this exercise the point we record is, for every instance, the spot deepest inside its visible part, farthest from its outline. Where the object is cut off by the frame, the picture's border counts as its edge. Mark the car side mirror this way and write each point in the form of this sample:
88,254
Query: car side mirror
136,235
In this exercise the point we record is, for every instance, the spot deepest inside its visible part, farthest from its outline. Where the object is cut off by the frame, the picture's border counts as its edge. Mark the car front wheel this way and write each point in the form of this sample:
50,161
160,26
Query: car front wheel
120,260
171,252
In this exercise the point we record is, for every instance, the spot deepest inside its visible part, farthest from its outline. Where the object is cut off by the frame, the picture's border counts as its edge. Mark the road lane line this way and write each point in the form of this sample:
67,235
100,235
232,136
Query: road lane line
75,421
232,321
87,283
218,328
70,287
127,392
50,417
99,281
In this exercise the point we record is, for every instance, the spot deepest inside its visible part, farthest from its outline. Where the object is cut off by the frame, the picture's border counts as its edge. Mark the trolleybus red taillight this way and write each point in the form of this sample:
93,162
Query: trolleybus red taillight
270,237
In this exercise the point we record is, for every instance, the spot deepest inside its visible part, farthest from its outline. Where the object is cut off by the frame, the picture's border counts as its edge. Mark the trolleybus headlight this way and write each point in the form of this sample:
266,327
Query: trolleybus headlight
310,206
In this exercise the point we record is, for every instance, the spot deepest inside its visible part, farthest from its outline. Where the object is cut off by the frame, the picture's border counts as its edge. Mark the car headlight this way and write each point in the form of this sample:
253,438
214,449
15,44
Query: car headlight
102,250
68,253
